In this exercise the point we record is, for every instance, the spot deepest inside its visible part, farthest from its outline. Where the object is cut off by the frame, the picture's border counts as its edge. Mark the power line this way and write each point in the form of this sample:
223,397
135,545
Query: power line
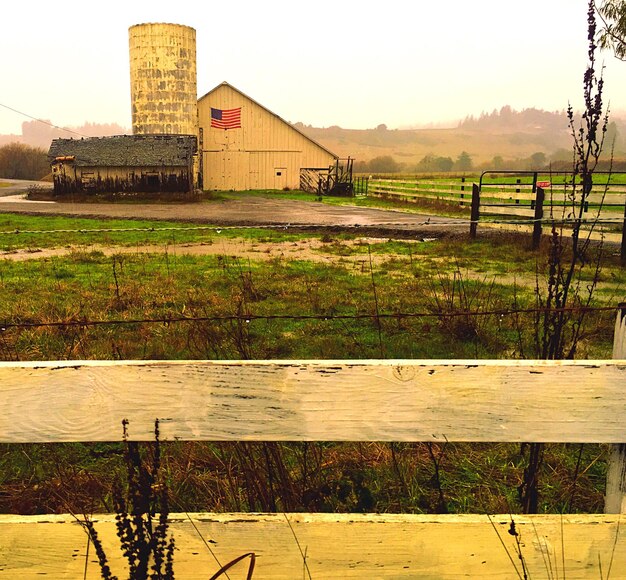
41,120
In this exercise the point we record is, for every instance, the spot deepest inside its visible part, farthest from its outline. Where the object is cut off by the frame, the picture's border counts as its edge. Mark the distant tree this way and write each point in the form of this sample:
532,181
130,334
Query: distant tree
612,33
612,135
506,112
431,162
497,162
463,162
537,161
426,163
383,164
561,155
381,127
360,166
19,161
444,164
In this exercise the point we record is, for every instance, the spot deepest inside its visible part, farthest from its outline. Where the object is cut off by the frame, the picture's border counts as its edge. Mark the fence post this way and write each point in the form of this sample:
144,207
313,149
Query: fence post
623,251
475,212
538,216
615,500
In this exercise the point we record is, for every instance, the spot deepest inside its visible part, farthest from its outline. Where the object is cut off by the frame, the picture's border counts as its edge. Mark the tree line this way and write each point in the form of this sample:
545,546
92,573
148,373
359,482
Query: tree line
429,163
438,164
19,161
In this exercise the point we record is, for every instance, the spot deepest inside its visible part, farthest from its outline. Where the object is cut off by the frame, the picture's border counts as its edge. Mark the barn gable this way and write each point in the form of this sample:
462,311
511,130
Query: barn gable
246,146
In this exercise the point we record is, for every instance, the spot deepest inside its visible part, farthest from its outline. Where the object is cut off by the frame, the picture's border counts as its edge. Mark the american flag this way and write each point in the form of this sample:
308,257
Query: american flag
226,118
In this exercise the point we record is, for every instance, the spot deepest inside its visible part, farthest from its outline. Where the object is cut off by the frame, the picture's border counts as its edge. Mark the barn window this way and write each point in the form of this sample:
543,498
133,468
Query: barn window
279,173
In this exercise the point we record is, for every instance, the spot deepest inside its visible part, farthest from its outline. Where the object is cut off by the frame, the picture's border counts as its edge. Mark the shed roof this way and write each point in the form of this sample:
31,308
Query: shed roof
225,84
126,150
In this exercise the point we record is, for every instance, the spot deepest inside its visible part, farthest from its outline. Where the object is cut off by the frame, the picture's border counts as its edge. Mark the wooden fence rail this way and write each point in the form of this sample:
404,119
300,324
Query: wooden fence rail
377,400
364,546
510,199
380,400
518,201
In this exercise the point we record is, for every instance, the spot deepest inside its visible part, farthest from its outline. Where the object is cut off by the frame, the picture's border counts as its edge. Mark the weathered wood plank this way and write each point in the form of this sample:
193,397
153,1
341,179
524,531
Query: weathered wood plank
401,400
421,193
336,546
615,501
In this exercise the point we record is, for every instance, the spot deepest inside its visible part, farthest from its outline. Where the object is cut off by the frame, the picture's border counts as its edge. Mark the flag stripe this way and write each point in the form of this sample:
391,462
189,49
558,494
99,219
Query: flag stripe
226,118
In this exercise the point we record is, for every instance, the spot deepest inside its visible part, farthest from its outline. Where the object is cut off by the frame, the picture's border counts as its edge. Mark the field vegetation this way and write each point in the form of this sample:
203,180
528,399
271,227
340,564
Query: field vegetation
293,296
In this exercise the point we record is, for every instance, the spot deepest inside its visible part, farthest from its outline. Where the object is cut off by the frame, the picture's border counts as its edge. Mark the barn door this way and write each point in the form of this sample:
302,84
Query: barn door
255,168
236,170
280,178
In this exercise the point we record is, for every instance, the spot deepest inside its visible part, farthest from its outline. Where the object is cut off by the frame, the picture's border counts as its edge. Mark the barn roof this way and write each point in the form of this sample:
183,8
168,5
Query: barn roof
126,150
225,84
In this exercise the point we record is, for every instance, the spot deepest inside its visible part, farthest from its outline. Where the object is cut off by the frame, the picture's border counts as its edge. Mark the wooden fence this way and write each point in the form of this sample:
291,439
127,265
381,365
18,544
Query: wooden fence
509,196
450,191
381,400
520,202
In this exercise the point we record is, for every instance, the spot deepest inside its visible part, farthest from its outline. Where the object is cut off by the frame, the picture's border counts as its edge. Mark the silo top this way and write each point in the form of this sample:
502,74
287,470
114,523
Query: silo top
147,24
164,95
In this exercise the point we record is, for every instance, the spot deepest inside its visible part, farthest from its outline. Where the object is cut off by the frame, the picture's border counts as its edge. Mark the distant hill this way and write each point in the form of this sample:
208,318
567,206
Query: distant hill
505,136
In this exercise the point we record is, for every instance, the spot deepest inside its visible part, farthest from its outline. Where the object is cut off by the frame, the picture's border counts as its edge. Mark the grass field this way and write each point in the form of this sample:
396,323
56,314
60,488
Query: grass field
224,298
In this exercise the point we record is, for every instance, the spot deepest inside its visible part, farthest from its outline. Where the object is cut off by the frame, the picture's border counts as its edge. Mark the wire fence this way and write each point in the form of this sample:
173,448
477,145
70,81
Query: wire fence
303,317
431,222
372,313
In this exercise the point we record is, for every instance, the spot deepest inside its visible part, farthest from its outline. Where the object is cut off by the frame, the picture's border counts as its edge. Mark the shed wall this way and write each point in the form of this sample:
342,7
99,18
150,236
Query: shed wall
69,178
265,153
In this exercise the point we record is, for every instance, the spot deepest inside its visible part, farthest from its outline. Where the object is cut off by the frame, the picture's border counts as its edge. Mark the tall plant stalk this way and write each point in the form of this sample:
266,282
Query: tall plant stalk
558,327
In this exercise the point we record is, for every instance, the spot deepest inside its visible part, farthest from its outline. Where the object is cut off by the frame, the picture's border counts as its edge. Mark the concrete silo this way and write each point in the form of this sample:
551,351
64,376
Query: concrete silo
163,79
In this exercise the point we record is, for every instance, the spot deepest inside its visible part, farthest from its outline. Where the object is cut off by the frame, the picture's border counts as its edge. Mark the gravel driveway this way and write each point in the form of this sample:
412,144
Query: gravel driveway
247,210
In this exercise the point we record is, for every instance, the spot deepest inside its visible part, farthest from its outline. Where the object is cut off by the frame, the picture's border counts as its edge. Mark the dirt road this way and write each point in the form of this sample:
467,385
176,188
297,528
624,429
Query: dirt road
249,210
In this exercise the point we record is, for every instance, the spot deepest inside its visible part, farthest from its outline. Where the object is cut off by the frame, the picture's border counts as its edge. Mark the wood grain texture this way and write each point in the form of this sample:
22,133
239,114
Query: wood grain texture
619,336
615,498
336,546
405,400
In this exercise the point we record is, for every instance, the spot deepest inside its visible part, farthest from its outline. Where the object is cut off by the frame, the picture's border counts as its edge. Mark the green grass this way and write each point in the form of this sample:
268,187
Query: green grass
439,276
526,179
19,231
410,277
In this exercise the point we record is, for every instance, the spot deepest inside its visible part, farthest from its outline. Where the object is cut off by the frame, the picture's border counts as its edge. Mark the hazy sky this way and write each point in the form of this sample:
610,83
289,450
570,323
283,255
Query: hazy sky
356,64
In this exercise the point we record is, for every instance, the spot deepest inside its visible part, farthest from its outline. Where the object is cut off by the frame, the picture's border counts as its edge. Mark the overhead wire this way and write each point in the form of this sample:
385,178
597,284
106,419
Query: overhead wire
42,121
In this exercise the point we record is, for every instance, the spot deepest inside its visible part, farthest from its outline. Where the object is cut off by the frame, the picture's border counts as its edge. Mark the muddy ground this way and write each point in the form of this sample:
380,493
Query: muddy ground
250,211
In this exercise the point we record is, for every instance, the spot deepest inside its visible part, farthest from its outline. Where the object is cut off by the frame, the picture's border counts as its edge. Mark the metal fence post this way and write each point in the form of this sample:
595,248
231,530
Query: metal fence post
538,217
615,499
623,250
475,212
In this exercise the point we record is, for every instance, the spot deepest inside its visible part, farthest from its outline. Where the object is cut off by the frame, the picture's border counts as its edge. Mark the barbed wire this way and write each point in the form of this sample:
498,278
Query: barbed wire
248,318
308,226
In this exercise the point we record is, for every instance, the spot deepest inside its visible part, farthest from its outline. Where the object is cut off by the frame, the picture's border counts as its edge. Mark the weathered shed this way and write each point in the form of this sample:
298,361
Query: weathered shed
123,163
245,146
